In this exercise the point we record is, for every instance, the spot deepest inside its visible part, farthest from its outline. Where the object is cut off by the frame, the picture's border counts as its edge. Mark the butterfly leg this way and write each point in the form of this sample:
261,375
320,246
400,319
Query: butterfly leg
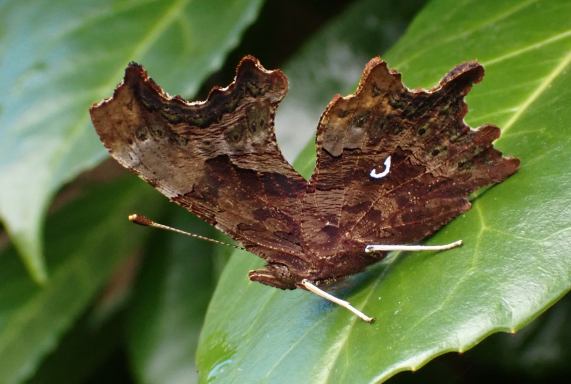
345,304
395,247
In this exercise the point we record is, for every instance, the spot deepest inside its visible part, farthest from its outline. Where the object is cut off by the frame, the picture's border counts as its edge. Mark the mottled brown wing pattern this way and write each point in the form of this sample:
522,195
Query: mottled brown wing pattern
393,165
217,158
436,161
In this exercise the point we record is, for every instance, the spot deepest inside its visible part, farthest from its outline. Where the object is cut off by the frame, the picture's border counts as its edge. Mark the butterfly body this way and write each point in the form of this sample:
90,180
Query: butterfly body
393,165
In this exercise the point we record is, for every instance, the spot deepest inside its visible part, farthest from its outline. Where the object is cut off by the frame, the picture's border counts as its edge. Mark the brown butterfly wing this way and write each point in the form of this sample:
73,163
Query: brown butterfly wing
436,162
218,158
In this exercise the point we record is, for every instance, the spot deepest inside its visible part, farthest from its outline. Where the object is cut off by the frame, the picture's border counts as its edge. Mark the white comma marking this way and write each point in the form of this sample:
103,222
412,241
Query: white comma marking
376,175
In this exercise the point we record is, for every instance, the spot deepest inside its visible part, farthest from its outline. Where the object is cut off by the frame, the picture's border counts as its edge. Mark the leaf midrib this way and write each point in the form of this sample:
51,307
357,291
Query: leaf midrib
543,86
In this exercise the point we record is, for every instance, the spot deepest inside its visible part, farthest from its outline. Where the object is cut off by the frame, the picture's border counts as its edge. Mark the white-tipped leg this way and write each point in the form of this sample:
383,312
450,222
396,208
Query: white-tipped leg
345,304
390,247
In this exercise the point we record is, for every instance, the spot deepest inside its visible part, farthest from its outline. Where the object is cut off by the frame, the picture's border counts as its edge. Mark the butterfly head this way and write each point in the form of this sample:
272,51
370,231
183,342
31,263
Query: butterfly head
276,275
282,276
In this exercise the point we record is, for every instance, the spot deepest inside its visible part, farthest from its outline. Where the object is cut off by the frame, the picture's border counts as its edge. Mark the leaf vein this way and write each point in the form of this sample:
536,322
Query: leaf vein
539,91
531,47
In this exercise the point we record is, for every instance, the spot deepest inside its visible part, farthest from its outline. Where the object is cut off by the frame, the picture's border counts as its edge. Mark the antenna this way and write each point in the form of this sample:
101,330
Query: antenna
345,304
146,222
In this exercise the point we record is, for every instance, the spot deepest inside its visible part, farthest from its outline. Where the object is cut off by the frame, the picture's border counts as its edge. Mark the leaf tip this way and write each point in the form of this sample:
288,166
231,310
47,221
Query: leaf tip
29,247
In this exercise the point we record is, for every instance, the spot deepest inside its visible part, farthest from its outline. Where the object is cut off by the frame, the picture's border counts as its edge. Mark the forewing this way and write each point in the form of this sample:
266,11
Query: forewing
218,158
436,161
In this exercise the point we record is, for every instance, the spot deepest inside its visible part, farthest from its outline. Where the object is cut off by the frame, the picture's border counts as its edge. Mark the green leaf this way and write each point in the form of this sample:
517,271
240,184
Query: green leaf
81,352
169,304
55,61
515,262
87,242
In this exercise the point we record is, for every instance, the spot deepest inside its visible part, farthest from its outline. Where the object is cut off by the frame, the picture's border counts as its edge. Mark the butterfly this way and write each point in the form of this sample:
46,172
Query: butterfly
393,166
